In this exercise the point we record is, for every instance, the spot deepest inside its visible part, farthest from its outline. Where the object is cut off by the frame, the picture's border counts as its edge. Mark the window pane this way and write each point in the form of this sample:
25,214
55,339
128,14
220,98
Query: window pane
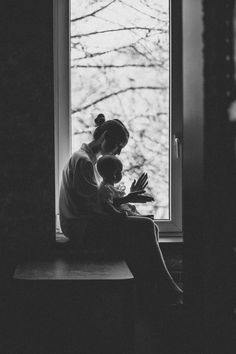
120,67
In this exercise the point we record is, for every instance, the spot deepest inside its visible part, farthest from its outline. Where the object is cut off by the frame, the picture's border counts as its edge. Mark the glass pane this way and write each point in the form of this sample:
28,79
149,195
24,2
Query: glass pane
120,67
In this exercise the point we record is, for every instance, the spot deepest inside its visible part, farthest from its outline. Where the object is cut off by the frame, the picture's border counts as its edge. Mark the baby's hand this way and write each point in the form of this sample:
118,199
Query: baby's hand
124,213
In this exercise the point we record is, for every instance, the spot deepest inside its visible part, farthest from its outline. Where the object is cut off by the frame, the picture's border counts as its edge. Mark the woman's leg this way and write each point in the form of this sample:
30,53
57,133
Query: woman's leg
135,239
141,245
145,259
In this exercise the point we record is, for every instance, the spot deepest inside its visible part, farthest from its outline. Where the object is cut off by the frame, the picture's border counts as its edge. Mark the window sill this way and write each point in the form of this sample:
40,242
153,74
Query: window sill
164,238
170,238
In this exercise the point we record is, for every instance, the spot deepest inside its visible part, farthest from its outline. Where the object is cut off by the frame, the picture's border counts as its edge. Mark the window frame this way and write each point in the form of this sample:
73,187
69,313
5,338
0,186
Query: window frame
62,118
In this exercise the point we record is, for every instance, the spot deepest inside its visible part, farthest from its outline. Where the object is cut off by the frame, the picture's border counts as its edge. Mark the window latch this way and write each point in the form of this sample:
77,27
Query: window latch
177,146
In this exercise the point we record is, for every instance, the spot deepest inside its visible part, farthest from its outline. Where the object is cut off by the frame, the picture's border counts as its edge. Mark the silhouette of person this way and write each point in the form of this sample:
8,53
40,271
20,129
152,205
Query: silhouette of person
134,238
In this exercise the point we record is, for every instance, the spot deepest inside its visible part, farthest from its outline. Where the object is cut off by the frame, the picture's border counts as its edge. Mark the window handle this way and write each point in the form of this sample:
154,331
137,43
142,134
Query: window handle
177,146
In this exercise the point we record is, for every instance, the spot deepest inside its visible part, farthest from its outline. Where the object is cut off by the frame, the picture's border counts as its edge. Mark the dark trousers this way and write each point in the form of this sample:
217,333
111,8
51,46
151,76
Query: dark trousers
133,238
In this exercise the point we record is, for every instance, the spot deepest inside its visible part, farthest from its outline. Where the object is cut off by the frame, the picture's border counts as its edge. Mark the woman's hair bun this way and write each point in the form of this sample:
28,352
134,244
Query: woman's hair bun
100,119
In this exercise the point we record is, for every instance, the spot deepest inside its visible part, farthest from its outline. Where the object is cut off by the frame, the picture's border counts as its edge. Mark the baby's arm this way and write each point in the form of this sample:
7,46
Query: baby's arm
106,196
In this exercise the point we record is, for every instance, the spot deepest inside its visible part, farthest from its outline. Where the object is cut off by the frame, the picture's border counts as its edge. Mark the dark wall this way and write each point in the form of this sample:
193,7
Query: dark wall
219,175
26,128
209,206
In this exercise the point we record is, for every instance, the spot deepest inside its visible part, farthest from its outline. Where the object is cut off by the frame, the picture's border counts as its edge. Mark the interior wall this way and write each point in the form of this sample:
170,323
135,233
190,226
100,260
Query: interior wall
26,129
219,175
209,174
193,174
193,112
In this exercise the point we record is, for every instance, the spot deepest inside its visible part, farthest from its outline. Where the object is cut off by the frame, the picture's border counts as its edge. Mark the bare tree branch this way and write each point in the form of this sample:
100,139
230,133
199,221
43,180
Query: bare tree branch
146,50
133,167
109,21
148,6
132,46
148,34
118,93
92,13
113,66
116,30
153,116
82,131
92,55
164,146
143,54
141,12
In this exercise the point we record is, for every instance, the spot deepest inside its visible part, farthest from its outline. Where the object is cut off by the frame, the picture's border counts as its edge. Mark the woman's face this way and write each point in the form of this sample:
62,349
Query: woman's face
116,150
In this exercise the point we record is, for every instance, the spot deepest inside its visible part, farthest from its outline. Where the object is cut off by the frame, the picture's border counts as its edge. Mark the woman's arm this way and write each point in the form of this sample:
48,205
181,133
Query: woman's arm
85,183
133,197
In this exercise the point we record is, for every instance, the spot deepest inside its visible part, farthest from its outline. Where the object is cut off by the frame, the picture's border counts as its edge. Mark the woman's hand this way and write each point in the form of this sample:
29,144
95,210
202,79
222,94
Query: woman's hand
140,184
138,197
133,197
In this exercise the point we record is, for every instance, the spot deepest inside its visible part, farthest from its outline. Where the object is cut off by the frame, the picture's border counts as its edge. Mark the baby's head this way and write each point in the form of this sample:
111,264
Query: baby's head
110,168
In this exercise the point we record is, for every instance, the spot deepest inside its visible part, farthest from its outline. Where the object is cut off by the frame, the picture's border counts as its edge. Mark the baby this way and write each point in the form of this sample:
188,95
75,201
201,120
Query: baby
110,168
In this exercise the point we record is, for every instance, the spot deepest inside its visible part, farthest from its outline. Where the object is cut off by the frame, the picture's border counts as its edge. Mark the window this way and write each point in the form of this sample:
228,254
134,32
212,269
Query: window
121,59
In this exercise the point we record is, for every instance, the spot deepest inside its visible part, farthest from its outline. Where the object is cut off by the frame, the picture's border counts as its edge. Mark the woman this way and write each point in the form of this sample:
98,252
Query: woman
135,238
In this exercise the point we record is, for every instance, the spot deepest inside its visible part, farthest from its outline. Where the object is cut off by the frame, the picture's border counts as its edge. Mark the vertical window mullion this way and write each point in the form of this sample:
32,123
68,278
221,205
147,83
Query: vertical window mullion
61,89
